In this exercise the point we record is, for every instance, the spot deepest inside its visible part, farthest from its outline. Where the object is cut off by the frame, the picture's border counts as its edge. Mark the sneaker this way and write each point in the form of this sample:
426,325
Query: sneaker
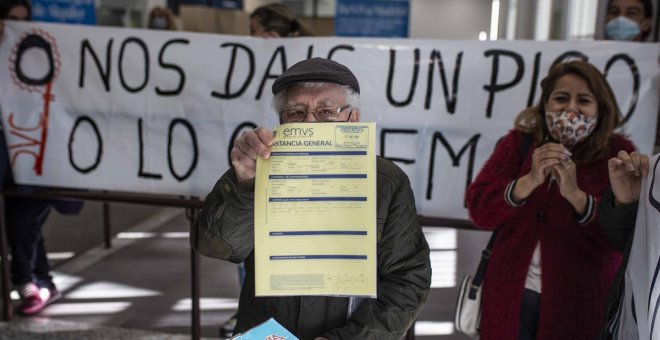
227,328
31,301
50,294
34,299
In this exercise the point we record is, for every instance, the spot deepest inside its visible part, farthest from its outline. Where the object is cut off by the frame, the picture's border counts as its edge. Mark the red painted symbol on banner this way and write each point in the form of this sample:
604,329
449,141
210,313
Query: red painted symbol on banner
32,139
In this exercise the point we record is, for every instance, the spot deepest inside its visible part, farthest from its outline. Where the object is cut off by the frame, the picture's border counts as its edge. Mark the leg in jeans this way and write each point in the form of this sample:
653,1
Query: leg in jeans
241,273
227,328
25,218
41,267
529,315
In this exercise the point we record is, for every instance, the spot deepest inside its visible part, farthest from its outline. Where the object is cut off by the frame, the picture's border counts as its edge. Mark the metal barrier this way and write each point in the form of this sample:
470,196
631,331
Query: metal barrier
191,204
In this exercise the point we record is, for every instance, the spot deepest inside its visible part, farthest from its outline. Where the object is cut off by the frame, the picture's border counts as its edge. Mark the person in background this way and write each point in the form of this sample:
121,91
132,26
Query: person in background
319,90
628,20
551,265
13,10
161,18
275,20
30,269
16,10
618,214
631,20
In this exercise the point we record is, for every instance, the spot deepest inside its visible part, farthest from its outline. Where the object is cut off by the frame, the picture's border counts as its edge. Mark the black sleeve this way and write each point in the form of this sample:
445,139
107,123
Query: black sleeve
617,222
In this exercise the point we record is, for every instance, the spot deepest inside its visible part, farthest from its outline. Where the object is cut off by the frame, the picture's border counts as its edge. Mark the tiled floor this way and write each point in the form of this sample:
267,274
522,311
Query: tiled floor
142,284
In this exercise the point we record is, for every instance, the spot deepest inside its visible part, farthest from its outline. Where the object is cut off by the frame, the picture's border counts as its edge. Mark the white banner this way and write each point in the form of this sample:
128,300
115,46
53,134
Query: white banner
639,317
155,112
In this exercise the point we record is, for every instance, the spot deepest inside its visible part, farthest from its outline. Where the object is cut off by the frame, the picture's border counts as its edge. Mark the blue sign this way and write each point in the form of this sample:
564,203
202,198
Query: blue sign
237,4
372,18
270,330
65,11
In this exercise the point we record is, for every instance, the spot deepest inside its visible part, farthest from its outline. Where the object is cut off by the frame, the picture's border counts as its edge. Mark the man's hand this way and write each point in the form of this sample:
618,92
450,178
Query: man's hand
626,173
247,147
2,30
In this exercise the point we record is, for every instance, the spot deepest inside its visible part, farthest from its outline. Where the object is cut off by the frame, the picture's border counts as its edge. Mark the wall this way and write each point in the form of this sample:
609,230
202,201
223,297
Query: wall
197,18
434,19
127,13
449,19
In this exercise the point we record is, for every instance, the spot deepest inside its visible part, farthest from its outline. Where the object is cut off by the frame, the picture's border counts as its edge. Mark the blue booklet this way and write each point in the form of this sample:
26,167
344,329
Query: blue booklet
269,330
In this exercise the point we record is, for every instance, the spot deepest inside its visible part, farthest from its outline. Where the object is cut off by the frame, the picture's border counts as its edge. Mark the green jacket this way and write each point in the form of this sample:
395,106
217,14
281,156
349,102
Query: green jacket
224,230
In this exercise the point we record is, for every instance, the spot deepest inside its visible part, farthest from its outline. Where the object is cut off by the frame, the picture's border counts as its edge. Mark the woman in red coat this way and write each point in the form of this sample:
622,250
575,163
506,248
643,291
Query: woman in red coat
551,265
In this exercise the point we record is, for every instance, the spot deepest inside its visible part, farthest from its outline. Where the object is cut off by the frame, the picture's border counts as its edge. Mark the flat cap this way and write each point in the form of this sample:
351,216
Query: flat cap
316,70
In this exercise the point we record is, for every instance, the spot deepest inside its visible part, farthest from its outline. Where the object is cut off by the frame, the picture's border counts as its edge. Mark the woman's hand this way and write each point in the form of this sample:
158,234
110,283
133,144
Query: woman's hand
626,172
566,178
543,159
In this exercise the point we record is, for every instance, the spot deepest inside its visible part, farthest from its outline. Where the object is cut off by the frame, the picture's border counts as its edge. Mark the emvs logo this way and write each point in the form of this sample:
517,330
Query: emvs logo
298,132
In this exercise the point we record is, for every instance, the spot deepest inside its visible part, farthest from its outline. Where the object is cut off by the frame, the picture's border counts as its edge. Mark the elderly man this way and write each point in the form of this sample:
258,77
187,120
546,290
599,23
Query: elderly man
320,90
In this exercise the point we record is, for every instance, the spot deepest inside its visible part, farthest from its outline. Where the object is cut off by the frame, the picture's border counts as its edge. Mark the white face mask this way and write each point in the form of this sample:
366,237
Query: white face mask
569,128
159,23
622,28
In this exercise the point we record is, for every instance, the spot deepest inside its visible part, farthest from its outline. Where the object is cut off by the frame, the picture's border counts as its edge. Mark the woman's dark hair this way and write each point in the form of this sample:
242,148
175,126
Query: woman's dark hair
7,5
163,12
648,8
532,119
278,18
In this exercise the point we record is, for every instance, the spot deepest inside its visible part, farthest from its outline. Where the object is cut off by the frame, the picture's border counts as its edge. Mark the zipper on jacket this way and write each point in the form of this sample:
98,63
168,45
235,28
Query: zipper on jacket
300,309
540,215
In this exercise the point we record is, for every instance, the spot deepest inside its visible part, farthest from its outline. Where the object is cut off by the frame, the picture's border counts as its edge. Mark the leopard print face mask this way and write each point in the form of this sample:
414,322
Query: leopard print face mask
568,127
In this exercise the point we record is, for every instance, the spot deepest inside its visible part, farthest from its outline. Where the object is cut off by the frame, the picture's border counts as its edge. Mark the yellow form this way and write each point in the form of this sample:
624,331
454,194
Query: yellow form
315,211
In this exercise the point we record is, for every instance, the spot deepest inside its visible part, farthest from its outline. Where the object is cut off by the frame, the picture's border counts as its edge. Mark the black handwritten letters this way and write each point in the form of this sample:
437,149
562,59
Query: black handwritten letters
142,173
39,42
434,84
400,68
87,123
630,62
247,52
104,68
99,144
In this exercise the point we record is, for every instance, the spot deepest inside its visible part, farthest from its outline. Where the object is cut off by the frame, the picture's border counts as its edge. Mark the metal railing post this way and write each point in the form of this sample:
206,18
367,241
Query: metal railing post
107,226
4,254
192,206
411,332
195,286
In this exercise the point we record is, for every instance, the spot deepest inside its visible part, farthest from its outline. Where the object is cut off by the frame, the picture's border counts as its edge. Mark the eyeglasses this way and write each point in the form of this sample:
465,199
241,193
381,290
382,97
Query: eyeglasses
322,114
